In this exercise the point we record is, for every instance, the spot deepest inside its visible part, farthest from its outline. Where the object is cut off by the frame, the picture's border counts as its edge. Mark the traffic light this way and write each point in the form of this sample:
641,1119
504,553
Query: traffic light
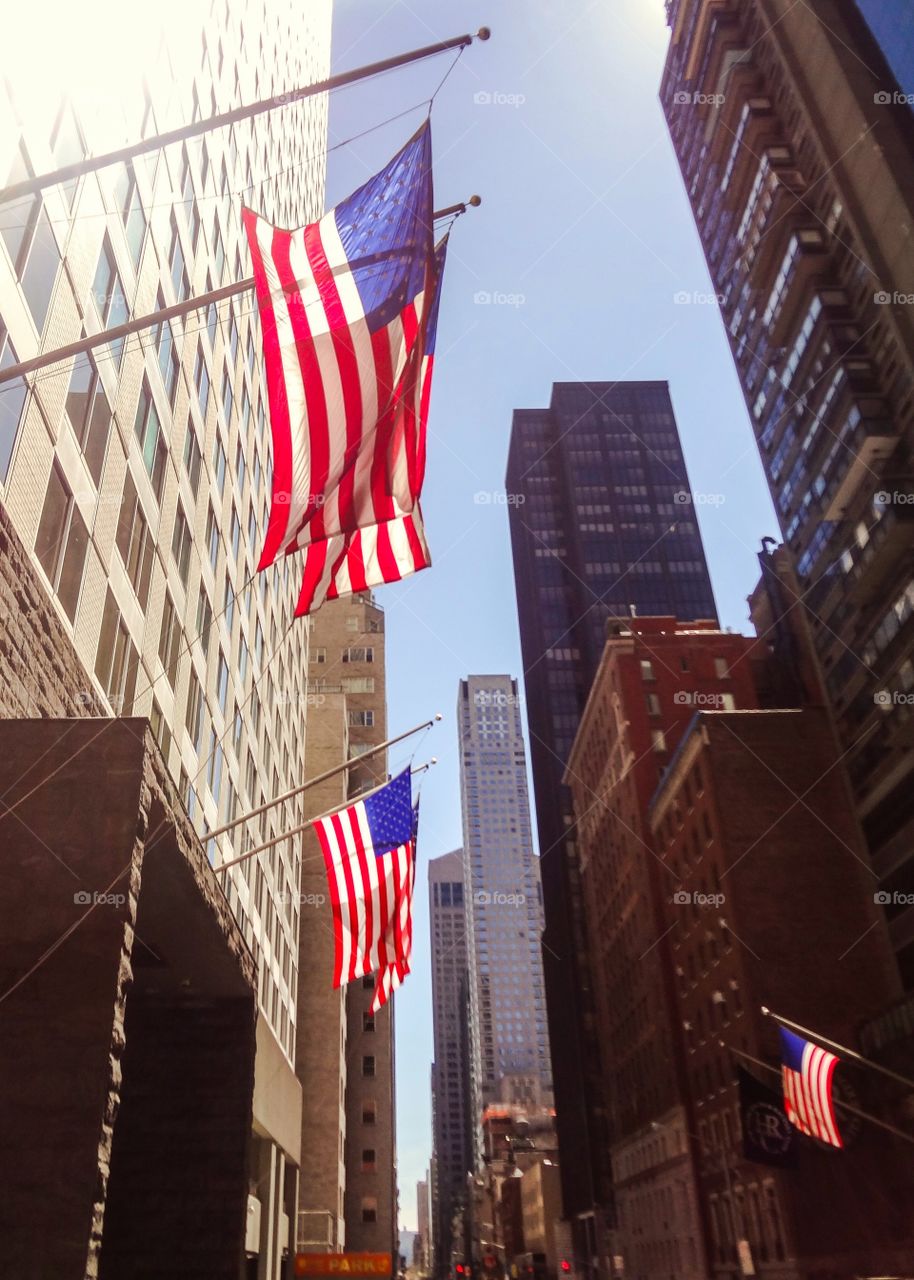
459,1268
565,1266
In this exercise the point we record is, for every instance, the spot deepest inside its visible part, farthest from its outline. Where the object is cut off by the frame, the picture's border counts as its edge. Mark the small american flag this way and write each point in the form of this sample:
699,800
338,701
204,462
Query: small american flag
348,306
806,1073
369,855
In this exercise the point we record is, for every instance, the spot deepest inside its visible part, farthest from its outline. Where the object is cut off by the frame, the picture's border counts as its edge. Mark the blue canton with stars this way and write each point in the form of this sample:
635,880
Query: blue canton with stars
389,813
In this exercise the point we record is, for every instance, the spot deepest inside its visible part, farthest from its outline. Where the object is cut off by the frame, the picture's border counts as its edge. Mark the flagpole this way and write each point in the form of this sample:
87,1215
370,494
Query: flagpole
321,777
845,1106
156,141
842,1049
295,831
201,300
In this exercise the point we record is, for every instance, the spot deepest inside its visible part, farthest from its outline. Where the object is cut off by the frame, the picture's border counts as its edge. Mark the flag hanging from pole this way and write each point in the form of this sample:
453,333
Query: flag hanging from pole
395,548
345,305
369,856
806,1074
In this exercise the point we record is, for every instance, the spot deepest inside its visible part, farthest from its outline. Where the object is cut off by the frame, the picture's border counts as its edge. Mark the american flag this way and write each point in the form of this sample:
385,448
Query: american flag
369,855
806,1073
347,308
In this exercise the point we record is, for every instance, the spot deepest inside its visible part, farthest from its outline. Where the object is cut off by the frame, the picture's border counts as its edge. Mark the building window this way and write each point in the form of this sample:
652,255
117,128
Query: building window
62,541
658,740
180,544
170,640
368,1064
360,654
361,719
222,682
647,670
212,542
193,716
192,457
727,702
27,231
169,364
653,704
357,684
721,668
369,1209
219,465
89,414
319,654
369,1162
368,1022
368,983
148,431
110,299
116,661
131,210
134,541
12,399
176,267
201,380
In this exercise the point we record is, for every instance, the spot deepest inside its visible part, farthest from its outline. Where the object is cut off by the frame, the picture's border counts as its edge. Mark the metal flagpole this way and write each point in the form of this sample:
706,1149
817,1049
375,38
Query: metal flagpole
842,1049
197,303
287,835
845,1106
156,141
321,777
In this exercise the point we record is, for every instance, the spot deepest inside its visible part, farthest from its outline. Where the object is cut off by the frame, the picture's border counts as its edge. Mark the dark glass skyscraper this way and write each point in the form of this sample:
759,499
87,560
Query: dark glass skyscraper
602,524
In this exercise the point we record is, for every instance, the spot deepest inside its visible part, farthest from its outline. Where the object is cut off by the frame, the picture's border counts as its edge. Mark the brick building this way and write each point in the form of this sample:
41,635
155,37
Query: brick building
347,692
654,674
773,905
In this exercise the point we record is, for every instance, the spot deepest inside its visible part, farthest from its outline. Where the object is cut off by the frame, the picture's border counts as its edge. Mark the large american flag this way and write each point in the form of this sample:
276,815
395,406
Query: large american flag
806,1074
369,855
348,307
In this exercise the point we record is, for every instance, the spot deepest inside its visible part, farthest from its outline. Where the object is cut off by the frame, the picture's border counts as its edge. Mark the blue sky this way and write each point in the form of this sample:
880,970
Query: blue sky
586,248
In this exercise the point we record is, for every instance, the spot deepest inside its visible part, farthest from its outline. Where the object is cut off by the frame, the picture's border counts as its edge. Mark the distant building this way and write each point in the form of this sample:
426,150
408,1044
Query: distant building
452,1132
602,526
348,707
509,1043
797,154
423,1249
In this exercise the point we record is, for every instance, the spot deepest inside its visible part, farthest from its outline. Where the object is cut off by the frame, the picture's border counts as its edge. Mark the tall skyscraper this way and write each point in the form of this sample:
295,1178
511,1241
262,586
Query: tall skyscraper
602,524
509,1042
451,1066
798,159
135,481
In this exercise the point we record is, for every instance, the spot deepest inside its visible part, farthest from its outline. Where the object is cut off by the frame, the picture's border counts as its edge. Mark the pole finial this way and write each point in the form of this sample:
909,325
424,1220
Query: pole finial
475,201
434,760
766,1012
483,33
438,715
